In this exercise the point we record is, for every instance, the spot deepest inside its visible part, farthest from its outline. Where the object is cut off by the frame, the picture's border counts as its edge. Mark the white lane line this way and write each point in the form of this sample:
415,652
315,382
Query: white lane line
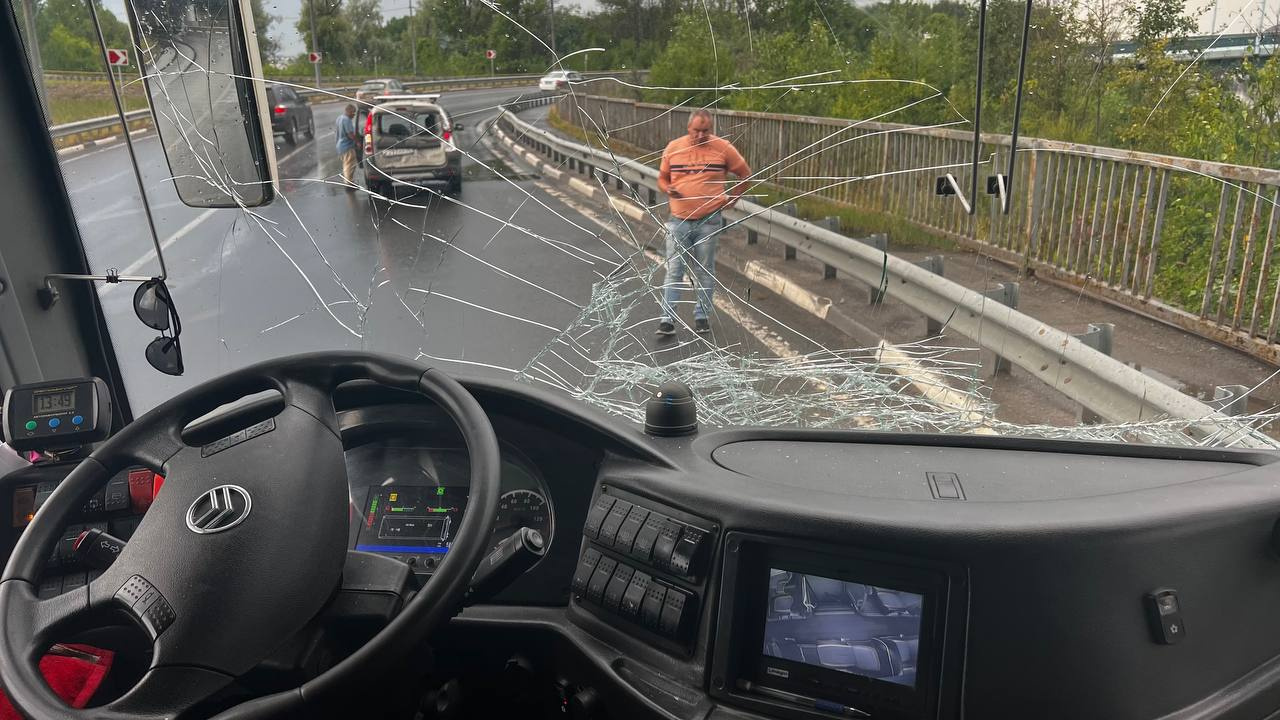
108,148
285,159
151,254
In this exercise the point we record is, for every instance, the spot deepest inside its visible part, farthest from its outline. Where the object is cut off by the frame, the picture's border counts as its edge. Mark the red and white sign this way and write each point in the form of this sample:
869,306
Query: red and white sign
313,57
490,54
117,57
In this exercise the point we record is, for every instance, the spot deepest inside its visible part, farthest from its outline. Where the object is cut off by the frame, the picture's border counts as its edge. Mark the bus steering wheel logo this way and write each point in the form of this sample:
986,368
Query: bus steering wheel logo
222,508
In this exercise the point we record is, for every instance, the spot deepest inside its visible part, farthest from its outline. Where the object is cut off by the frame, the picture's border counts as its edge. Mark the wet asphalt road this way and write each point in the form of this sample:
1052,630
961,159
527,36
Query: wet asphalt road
325,267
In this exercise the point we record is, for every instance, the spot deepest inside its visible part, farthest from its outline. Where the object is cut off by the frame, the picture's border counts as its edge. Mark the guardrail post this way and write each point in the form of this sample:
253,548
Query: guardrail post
789,208
880,242
1234,399
831,223
935,264
1006,294
1100,337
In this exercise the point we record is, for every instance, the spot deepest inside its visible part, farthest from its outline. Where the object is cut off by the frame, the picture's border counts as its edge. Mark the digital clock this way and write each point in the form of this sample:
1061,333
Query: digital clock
57,414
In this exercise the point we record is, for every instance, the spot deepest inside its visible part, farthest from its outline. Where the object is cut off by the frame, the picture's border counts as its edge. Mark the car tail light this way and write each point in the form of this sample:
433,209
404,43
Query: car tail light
280,109
368,144
447,135
368,124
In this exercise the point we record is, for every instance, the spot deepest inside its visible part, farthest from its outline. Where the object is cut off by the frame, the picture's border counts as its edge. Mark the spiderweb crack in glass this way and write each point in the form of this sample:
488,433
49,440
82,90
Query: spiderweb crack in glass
592,338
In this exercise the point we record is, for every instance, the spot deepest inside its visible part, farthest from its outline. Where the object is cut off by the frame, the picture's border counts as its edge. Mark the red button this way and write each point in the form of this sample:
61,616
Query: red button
142,490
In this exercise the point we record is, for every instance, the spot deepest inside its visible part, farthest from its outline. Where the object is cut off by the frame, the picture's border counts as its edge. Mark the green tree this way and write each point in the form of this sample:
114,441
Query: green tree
333,31
268,46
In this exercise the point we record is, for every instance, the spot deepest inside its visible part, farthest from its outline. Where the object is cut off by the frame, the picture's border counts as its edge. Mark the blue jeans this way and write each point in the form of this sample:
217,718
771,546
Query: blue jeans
691,244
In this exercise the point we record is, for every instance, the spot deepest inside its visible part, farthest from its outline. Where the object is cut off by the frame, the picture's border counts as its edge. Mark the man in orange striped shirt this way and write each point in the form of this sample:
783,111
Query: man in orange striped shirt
694,176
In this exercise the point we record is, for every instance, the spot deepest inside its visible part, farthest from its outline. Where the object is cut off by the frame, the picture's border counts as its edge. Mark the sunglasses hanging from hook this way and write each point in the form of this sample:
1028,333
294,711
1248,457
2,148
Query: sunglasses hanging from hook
154,306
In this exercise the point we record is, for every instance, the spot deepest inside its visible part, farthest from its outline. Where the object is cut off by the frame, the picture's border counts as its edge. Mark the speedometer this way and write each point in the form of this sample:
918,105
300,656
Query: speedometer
522,508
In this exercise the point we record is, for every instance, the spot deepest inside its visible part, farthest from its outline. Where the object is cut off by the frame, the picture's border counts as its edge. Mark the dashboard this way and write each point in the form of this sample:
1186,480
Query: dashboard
408,497
751,573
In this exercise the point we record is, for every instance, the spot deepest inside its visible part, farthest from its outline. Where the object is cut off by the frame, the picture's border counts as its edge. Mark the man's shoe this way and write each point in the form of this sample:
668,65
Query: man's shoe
666,328
702,326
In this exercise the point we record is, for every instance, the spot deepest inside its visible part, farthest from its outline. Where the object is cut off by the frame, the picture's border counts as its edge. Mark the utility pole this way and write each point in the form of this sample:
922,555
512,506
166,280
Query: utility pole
413,41
315,42
553,32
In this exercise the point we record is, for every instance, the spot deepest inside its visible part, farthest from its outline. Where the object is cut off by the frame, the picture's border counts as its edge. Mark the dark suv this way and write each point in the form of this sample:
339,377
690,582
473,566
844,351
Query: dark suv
290,113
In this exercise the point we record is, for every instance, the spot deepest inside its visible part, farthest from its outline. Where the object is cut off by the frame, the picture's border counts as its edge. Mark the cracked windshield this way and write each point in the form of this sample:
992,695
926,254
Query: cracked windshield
1045,218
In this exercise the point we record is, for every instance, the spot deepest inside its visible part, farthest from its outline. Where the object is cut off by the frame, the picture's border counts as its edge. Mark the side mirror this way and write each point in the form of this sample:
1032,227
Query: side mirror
458,126
197,57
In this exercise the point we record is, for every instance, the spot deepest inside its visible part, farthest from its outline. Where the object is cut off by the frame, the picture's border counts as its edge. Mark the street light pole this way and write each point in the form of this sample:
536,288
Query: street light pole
315,42
413,41
553,32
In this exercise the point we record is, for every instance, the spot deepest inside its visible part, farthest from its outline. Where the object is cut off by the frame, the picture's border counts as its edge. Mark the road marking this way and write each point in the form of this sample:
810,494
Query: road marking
101,150
926,382
285,159
151,254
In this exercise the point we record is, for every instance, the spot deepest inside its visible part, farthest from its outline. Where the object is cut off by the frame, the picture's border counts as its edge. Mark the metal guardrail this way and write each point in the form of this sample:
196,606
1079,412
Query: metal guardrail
98,123
108,121
1106,386
1121,225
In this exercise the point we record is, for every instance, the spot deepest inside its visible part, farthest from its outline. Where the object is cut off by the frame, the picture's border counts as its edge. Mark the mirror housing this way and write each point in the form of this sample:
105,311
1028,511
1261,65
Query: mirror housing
458,126
203,73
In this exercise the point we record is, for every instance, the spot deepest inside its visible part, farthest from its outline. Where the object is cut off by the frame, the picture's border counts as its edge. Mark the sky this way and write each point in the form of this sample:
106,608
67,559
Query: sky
1234,16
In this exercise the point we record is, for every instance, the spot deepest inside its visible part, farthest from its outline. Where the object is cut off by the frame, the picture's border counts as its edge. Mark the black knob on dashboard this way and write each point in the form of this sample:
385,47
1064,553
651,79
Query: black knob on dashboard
671,411
585,704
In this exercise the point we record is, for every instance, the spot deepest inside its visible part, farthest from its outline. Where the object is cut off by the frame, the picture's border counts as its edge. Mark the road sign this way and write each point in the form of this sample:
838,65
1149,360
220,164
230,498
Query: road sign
490,54
314,57
117,57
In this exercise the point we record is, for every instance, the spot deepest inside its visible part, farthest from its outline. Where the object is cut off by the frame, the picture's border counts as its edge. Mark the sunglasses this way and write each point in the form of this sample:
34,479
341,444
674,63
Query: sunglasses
153,305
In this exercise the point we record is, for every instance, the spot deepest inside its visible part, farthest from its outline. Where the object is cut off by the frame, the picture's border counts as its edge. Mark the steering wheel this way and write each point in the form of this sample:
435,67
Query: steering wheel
243,547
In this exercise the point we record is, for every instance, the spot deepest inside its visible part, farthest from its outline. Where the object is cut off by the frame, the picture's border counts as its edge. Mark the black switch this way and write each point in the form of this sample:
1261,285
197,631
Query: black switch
666,543
600,578
586,566
50,585
617,586
671,622
651,606
631,599
595,518
630,527
74,579
687,554
157,616
1164,614
117,493
66,549
642,548
613,521
97,503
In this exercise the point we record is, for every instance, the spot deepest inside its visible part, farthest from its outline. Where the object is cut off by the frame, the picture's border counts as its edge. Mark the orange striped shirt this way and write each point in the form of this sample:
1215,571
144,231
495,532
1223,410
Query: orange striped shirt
698,173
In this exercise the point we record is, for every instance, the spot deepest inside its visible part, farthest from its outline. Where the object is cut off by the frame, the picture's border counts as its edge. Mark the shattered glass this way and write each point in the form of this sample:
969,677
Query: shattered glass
526,276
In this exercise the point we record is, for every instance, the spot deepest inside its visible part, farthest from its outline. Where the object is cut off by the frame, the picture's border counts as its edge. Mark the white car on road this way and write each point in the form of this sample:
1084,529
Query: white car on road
559,80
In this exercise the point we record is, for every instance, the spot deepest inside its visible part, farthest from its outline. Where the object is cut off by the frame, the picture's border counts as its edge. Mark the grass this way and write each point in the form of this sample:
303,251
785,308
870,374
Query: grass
853,221
72,100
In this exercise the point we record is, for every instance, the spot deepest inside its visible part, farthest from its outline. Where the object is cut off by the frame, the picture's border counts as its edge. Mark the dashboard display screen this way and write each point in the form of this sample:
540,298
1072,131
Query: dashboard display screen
53,402
850,627
410,518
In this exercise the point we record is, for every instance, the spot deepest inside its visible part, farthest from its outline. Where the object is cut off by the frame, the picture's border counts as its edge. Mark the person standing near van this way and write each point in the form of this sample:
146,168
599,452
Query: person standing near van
693,175
347,139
